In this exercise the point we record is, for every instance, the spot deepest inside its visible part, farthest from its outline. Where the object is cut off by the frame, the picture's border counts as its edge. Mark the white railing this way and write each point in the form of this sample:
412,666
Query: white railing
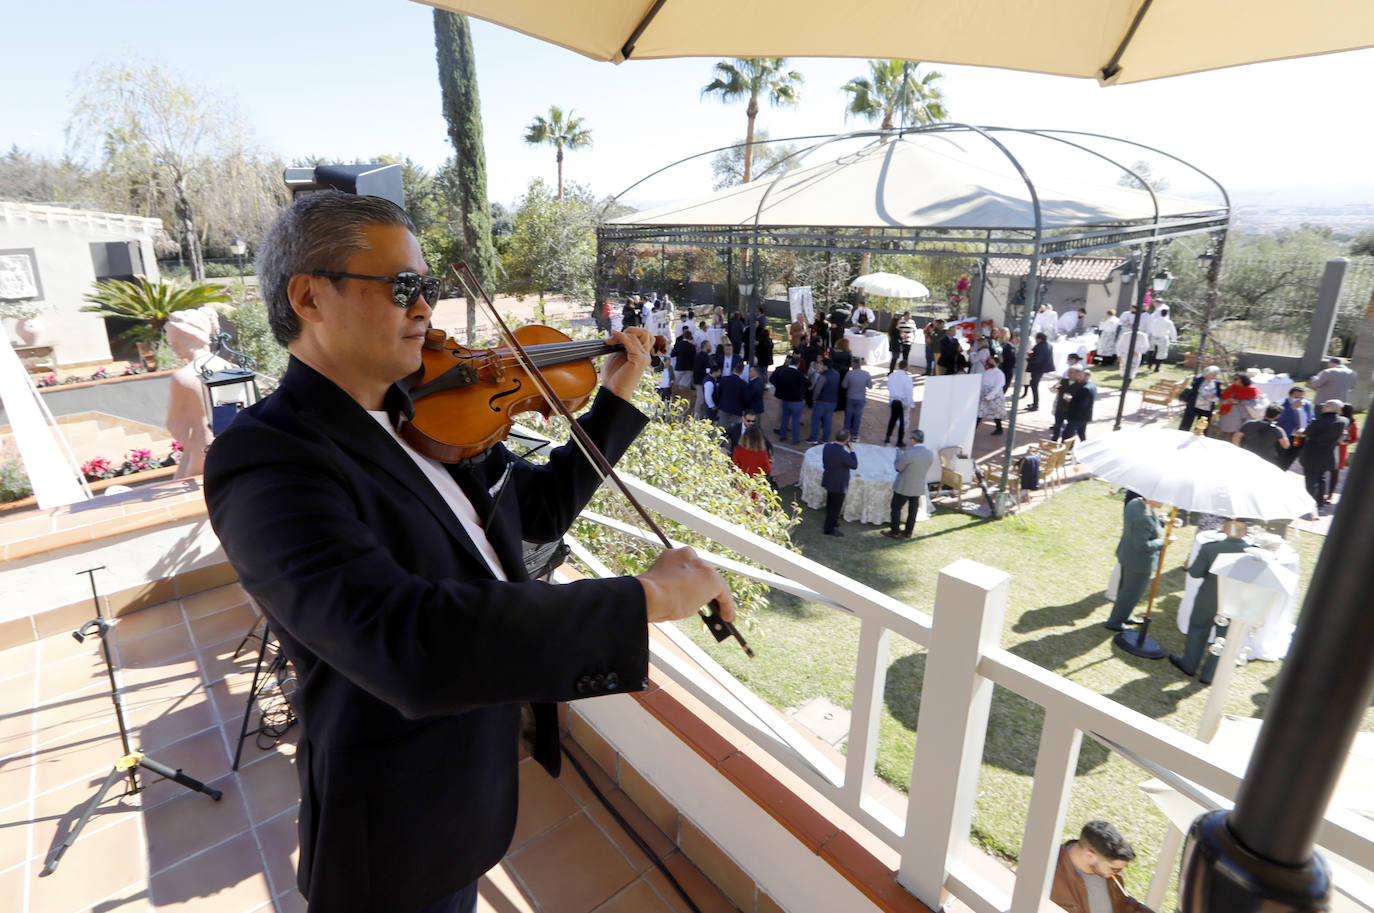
964,662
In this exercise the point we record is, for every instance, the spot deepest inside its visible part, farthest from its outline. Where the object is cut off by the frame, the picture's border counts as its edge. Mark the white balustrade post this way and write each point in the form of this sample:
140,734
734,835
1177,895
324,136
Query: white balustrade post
869,681
1235,635
1055,765
970,602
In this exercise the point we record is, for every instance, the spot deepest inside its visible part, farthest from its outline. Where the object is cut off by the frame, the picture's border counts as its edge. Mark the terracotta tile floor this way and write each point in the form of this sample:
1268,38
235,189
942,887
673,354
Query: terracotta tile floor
169,849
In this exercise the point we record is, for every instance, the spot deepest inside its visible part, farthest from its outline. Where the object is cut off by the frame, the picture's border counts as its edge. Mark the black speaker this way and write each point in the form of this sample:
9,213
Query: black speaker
368,180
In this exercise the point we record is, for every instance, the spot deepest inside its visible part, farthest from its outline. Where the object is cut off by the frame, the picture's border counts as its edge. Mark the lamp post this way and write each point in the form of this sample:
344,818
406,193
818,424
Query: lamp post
229,387
238,248
1159,283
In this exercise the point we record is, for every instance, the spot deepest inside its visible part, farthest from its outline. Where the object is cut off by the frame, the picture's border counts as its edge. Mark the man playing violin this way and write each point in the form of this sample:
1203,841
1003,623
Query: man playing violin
396,583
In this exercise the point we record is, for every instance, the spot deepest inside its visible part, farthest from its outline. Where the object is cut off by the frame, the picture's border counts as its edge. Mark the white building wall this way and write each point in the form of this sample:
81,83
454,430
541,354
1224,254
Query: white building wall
61,241
1062,295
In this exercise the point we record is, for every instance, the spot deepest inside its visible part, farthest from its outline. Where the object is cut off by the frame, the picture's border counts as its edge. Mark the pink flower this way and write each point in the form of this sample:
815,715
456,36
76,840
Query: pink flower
47,380
177,447
962,284
97,468
98,374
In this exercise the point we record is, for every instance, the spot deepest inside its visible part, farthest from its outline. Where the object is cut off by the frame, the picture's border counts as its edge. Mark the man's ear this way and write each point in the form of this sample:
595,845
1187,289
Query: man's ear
300,291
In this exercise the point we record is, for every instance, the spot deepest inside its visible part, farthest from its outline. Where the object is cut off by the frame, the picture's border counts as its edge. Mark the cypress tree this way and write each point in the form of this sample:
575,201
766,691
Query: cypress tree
463,111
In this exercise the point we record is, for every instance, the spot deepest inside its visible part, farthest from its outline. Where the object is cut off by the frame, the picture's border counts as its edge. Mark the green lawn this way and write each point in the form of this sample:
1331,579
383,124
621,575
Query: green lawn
1059,556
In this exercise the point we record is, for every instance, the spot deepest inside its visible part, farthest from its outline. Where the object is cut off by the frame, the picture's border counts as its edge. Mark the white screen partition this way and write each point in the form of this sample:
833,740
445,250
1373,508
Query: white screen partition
55,478
949,411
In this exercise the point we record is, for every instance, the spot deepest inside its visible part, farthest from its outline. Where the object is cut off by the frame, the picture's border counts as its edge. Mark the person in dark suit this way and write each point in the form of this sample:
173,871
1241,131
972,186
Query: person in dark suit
1202,620
1039,362
825,393
838,459
1319,449
950,353
731,394
1008,356
396,583
1142,537
735,431
789,386
753,398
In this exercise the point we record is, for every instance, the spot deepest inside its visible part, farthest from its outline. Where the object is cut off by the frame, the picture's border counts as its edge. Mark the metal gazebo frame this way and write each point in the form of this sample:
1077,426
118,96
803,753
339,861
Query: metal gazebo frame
1029,243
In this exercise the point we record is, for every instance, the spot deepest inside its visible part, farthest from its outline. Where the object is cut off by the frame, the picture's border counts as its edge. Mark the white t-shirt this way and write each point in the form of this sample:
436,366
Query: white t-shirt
453,496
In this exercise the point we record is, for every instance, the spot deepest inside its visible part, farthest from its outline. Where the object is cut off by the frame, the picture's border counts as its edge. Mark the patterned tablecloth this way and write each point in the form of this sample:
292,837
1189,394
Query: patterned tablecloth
869,499
1268,641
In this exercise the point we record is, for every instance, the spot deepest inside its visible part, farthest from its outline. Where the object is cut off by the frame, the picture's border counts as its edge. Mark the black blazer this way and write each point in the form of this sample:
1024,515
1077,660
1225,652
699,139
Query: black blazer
412,659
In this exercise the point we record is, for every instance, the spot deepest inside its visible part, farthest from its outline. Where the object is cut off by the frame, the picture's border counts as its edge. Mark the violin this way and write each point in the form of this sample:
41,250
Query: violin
466,399
518,363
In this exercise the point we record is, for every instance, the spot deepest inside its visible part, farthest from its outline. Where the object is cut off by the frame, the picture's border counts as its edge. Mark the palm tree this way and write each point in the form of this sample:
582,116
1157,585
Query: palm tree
750,77
150,303
894,88
558,131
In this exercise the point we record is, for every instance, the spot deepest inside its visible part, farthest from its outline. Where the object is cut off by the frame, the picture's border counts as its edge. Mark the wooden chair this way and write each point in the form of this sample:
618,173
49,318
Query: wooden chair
1051,455
992,472
949,477
1163,395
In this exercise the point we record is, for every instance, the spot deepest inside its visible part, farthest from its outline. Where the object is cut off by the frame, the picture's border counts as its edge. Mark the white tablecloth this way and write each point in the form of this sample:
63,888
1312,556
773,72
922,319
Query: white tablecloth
1268,641
1275,387
869,499
1066,345
870,348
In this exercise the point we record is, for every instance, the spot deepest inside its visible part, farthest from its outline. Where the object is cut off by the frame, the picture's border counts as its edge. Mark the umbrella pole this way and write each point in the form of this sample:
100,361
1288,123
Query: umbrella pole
1159,568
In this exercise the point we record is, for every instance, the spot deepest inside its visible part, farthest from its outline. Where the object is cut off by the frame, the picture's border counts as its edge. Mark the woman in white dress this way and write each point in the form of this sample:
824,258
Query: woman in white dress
992,402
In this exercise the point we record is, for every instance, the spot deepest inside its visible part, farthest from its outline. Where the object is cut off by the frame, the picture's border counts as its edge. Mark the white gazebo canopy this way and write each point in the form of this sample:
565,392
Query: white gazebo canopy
958,181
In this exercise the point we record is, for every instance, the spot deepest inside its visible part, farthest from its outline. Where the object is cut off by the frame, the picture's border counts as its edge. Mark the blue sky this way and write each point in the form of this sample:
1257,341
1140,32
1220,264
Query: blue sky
358,77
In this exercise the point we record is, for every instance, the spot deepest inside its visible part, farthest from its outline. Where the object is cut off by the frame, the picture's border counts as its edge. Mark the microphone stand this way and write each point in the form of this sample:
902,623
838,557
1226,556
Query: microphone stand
132,760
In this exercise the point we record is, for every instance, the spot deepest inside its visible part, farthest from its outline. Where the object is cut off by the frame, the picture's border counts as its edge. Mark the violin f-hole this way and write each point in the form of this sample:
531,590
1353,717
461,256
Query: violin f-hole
491,403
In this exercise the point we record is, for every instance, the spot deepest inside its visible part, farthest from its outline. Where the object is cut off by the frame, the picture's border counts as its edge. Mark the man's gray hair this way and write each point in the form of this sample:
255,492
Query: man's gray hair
321,231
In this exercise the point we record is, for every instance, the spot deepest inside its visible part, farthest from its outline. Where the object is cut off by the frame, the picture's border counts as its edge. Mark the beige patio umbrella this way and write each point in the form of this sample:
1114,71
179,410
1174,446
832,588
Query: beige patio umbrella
1114,41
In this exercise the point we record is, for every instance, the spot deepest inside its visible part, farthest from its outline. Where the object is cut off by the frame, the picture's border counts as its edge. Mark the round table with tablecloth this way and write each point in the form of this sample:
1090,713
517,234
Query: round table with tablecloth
1066,345
1269,640
869,499
869,347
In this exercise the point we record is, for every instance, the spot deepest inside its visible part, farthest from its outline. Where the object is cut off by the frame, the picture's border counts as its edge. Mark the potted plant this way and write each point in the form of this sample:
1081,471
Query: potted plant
150,303
25,313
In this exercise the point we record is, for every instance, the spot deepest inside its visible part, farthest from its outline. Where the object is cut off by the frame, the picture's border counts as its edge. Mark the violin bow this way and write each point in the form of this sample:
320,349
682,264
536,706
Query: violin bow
720,628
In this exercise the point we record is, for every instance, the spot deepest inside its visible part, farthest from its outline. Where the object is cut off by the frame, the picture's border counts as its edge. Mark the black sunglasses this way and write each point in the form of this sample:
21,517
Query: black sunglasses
406,288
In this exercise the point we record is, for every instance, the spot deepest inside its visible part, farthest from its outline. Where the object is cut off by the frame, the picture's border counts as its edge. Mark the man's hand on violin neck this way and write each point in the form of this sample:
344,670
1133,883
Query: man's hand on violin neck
679,583
621,371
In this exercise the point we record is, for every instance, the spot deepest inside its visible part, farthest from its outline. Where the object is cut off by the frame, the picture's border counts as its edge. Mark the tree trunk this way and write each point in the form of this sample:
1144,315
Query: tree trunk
463,111
560,174
189,238
750,112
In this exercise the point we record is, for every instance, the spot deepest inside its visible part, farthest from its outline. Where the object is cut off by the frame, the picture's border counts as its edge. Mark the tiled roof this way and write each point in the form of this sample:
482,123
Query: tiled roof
1076,269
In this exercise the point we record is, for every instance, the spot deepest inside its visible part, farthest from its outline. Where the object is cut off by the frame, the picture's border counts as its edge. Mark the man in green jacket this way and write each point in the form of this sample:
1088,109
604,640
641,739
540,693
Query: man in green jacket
1201,622
1142,537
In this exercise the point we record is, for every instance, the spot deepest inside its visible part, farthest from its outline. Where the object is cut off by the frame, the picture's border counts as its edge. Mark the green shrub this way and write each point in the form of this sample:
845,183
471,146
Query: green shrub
685,456
252,333
14,481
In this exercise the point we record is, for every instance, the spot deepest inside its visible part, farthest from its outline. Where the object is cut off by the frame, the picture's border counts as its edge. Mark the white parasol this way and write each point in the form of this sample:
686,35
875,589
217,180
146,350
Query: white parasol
1193,472
889,285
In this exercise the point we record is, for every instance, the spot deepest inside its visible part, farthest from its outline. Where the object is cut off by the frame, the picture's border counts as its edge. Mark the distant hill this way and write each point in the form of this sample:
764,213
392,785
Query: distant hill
1270,209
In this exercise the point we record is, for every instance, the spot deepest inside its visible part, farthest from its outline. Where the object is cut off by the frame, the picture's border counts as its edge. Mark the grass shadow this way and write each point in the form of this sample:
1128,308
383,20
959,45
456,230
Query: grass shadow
1014,722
